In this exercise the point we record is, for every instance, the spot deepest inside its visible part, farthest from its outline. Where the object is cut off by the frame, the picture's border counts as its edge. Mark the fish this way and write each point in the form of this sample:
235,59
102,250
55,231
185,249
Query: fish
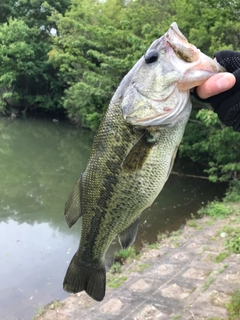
133,154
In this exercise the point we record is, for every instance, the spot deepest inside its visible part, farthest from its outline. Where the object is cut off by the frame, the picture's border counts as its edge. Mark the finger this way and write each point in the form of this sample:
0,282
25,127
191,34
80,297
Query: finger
216,84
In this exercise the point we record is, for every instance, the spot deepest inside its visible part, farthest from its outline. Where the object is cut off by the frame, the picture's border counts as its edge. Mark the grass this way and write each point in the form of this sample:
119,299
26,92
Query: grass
116,268
222,256
223,268
233,192
204,248
208,283
143,266
193,223
162,236
56,304
233,307
216,209
233,243
116,281
153,245
40,309
210,222
126,254
138,267
232,235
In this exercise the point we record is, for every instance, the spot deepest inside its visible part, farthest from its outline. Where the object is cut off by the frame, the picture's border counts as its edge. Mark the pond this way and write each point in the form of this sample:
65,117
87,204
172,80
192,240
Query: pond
40,162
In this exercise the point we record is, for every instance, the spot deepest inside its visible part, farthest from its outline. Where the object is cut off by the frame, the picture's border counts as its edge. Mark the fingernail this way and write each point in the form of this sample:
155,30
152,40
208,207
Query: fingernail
226,82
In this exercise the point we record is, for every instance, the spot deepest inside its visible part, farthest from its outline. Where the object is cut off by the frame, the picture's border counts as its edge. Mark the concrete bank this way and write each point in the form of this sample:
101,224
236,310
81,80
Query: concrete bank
188,276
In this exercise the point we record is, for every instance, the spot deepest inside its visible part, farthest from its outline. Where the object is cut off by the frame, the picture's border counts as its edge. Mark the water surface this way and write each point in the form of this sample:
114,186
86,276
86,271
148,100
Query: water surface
40,162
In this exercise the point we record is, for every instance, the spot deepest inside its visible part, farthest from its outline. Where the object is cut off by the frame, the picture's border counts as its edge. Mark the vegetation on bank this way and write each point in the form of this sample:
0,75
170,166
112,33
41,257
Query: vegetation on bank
70,55
128,261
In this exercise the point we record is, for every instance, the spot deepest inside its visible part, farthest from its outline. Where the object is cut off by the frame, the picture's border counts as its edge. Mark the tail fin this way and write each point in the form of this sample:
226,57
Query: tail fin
82,276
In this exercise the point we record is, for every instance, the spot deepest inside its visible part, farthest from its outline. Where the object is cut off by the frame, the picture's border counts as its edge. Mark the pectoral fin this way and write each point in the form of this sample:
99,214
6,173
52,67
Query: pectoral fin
128,236
73,205
138,154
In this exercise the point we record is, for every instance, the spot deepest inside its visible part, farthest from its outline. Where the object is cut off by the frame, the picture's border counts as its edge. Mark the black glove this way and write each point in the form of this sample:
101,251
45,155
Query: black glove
227,104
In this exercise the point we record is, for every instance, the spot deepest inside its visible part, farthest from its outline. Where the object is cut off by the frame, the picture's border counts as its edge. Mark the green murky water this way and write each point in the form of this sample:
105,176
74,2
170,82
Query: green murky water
39,163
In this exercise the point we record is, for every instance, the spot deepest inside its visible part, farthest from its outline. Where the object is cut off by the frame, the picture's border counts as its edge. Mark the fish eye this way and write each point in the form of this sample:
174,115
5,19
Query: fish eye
151,56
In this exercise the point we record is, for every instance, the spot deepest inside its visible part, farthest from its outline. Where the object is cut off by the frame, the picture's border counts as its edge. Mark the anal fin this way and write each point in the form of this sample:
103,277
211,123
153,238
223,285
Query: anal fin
73,205
128,236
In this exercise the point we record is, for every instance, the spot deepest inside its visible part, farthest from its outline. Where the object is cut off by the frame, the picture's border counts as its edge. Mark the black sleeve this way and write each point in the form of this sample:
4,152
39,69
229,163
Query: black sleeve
227,104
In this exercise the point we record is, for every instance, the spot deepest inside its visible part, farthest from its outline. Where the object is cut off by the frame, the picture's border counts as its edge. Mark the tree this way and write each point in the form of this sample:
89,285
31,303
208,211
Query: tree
98,43
218,27
209,142
27,78
34,13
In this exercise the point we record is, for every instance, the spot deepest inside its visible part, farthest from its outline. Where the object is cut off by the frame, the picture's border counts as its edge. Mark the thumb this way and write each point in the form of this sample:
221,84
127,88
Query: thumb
216,84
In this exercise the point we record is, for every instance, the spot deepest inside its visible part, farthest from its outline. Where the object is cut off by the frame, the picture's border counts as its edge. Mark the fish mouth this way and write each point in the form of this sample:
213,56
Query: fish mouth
189,53
176,32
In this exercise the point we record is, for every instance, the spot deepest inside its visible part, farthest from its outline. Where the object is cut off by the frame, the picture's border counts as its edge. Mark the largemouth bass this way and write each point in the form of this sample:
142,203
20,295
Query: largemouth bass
133,154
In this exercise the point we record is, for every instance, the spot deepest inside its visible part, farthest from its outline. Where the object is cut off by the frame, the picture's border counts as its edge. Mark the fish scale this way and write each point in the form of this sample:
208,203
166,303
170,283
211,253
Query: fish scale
133,154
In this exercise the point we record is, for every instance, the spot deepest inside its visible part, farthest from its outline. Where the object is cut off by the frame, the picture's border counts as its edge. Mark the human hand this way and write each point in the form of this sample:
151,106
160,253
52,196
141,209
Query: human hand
222,90
218,83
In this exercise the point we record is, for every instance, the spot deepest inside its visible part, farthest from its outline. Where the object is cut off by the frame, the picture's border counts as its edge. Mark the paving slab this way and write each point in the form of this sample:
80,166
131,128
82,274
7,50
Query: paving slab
181,280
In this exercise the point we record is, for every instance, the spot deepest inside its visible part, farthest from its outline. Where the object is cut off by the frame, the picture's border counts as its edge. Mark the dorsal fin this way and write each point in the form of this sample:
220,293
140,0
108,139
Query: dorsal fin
73,205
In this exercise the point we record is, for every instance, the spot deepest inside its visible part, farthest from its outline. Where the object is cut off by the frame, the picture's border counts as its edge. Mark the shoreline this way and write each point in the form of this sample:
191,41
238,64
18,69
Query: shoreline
190,274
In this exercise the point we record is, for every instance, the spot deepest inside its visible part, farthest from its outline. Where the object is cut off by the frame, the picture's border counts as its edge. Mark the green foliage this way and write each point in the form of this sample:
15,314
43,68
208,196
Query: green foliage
73,55
116,268
193,223
217,28
232,235
115,282
28,80
208,142
220,257
99,43
153,245
41,310
25,79
208,282
233,192
142,267
233,242
233,306
32,12
215,209
125,254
